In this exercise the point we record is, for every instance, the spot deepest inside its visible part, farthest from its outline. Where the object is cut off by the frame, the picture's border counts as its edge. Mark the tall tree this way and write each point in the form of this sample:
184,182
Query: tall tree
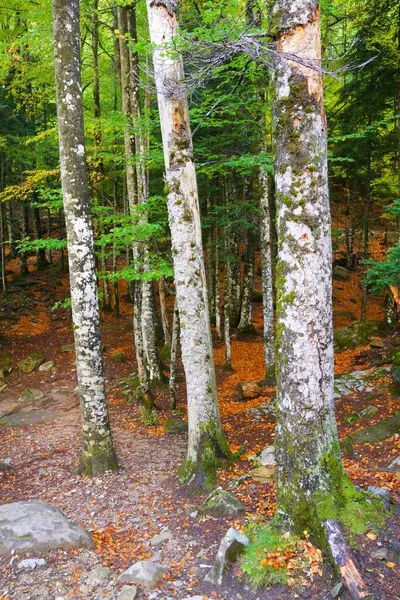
313,492
98,451
206,438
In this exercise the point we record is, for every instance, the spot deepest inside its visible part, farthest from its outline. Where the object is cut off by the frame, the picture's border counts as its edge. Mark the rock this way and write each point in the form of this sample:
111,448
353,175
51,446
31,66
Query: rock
378,432
5,361
68,348
164,536
376,343
253,389
47,366
98,576
144,572
31,362
395,371
128,592
32,563
340,273
29,417
380,554
31,395
337,590
38,527
178,426
262,474
382,493
266,457
359,333
395,465
368,412
5,465
221,503
230,548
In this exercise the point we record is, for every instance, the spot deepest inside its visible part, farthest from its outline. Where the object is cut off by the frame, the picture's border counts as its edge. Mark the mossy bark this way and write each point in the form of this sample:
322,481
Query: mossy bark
206,438
98,451
311,484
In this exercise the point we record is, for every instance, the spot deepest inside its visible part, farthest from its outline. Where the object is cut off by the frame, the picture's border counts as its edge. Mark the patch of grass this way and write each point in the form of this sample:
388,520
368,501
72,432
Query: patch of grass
148,418
273,558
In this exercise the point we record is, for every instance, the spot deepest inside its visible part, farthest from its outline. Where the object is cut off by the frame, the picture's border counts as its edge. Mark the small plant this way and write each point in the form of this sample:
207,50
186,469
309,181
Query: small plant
148,418
274,558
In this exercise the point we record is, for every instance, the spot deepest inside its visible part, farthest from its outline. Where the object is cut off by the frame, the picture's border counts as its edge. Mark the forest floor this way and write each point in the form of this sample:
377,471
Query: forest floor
124,510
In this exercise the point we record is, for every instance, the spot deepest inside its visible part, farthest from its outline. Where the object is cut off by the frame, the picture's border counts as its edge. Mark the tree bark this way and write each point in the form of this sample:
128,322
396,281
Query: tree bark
246,310
206,438
163,309
98,451
137,194
266,267
174,356
309,473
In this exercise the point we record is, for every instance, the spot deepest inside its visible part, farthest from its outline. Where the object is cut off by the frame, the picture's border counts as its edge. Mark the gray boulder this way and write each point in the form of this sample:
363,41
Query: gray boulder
340,273
128,592
144,572
231,546
47,366
5,465
31,362
164,536
98,576
32,563
38,527
266,457
31,395
221,503
381,493
395,465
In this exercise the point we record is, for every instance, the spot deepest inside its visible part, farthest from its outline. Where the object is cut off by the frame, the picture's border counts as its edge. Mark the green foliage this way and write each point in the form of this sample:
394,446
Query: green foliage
148,418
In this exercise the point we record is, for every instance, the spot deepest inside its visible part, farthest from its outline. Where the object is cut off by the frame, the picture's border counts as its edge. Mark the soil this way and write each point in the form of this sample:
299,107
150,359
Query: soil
124,510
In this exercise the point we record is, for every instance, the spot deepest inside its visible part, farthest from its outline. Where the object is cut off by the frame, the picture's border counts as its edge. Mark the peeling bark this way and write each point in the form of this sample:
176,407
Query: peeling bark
98,451
206,438
309,466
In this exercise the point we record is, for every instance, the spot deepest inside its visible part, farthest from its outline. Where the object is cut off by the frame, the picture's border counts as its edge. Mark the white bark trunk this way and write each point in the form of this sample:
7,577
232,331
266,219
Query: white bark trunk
266,266
205,433
98,453
309,466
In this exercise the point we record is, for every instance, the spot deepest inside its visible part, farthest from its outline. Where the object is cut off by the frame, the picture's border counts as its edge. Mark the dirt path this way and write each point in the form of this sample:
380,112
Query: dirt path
125,510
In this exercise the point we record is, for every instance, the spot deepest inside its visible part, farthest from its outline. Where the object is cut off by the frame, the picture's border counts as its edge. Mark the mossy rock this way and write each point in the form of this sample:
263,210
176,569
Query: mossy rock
68,348
31,395
221,504
357,334
395,371
5,361
177,426
377,433
31,362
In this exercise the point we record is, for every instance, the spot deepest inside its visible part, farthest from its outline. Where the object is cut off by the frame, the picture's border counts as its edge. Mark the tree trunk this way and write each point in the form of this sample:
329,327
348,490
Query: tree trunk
206,438
164,313
136,191
246,310
266,267
174,356
311,484
24,232
2,250
227,307
217,287
10,230
41,260
98,452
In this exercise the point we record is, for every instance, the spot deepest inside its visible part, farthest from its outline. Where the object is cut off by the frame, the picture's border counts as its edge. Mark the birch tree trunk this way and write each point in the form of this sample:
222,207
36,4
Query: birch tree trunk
137,194
206,438
266,267
311,484
98,451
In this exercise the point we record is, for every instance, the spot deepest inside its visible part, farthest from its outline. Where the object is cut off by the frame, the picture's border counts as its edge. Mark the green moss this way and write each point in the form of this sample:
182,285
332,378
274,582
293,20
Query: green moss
211,449
264,539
